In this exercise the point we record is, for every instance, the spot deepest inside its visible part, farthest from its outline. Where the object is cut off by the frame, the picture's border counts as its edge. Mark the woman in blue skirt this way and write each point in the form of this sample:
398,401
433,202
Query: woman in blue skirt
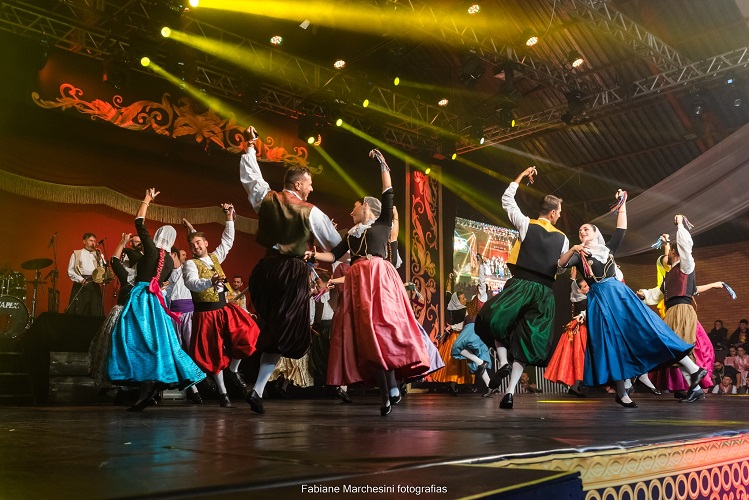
145,347
625,338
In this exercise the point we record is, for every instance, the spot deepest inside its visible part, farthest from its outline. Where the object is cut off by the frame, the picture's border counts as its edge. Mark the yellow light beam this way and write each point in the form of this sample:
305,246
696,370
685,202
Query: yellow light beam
360,193
443,132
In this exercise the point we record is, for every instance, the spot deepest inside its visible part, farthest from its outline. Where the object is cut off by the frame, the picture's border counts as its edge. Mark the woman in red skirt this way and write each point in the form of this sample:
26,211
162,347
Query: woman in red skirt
375,333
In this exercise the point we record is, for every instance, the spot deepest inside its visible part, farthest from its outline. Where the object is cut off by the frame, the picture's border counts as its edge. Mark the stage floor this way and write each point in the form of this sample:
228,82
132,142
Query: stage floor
176,448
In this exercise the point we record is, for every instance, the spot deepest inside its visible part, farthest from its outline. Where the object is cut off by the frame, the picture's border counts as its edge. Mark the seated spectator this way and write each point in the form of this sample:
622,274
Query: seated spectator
740,335
741,363
721,370
718,336
725,387
526,386
731,358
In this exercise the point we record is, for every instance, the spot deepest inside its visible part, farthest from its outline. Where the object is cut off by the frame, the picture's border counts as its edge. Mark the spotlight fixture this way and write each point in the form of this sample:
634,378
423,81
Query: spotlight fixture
310,131
448,149
477,131
339,64
442,102
396,81
575,59
365,103
699,105
166,32
474,9
506,120
276,40
339,122
530,38
575,106
428,171
733,95
145,61
194,3
472,68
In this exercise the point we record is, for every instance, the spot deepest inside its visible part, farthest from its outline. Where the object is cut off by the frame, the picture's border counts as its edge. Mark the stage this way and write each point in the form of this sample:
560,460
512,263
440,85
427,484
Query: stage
454,447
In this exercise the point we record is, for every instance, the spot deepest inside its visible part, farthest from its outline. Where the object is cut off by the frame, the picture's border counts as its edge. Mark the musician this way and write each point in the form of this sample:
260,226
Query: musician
85,297
237,286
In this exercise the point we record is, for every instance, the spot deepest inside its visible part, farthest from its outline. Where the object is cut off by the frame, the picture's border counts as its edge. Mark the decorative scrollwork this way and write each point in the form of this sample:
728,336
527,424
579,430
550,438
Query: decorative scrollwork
424,251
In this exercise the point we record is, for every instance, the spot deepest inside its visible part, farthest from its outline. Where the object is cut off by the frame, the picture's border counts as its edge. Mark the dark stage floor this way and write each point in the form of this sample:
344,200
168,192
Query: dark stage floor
106,452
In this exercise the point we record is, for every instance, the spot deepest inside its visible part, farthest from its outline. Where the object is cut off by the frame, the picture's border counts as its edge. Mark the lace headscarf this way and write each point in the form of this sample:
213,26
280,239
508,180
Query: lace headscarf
165,237
597,248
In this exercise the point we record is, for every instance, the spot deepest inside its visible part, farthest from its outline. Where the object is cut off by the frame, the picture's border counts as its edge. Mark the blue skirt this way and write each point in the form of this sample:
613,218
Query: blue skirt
145,346
625,338
469,341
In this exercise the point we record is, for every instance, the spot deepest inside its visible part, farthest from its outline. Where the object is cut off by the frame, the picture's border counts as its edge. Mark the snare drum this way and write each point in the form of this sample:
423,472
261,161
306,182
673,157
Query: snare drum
14,316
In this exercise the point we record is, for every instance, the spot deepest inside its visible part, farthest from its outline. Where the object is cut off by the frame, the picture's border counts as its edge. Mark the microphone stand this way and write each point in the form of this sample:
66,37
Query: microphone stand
106,264
53,302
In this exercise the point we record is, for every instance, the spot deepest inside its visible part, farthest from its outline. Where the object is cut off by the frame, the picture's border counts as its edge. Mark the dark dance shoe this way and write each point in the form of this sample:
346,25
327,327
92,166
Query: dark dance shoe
142,405
693,396
385,410
577,394
194,398
453,390
694,378
223,400
255,402
680,395
235,380
506,402
653,390
489,393
394,400
343,395
497,378
631,404
481,369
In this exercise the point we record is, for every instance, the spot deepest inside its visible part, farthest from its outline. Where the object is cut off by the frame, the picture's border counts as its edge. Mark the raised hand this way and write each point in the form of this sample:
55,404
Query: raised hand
377,155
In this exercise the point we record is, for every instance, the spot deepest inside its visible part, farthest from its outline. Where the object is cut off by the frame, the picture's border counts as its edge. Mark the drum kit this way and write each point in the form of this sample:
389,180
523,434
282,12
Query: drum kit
14,315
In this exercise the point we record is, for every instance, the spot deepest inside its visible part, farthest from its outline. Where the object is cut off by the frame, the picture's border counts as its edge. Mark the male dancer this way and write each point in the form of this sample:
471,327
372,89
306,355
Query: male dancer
677,290
520,317
222,334
279,284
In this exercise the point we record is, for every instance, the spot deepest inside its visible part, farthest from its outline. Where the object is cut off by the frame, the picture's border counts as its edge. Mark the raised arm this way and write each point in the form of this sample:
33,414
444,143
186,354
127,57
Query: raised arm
709,286
621,218
227,237
518,219
684,244
251,177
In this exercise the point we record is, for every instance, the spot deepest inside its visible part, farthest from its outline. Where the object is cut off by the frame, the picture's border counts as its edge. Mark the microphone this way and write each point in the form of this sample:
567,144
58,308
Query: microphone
52,240
101,241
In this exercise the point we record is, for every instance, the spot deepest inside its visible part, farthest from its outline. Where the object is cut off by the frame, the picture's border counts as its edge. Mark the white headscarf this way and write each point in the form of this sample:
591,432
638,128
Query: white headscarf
455,304
165,237
597,248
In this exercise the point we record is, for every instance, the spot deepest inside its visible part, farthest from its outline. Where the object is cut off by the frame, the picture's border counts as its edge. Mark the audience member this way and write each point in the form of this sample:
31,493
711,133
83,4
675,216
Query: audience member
718,336
739,336
721,370
725,387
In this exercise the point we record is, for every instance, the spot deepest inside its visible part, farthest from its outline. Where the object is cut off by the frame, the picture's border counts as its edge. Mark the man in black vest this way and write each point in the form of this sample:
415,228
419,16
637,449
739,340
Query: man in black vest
279,283
519,318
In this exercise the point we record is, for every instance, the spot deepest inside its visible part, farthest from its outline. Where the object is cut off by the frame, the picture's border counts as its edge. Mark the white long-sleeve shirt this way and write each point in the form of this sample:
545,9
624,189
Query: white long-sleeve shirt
88,264
257,188
192,281
684,245
177,289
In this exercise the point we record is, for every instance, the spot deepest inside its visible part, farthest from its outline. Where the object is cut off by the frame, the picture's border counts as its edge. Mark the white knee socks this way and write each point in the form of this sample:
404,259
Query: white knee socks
267,365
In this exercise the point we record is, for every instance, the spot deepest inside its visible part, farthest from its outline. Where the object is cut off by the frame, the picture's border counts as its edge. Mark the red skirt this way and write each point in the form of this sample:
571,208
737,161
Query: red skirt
455,370
567,364
374,328
220,336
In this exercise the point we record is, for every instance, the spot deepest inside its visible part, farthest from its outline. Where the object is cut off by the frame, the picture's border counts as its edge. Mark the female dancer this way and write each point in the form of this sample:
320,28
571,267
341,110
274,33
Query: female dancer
376,333
145,347
567,364
456,371
625,338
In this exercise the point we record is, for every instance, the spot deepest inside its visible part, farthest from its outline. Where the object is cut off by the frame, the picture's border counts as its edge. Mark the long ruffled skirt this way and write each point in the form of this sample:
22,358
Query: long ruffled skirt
469,341
100,347
625,338
375,328
704,356
435,360
294,370
567,364
145,347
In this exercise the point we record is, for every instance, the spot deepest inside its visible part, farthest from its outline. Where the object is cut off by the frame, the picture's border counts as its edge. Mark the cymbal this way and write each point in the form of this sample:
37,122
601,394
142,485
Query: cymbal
36,264
34,283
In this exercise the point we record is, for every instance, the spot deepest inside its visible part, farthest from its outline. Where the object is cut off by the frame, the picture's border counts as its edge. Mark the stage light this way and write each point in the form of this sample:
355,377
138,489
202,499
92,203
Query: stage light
454,156
474,9
472,68
276,40
442,102
339,122
698,105
194,3
166,32
506,119
477,131
575,106
733,95
365,103
575,59
396,81
530,38
339,64
145,61
428,170
310,131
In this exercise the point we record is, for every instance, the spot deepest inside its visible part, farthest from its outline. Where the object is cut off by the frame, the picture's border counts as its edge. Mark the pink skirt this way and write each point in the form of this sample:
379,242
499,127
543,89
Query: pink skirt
374,328
704,356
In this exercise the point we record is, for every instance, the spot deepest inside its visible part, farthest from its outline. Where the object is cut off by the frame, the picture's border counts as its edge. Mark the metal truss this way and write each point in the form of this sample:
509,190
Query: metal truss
604,17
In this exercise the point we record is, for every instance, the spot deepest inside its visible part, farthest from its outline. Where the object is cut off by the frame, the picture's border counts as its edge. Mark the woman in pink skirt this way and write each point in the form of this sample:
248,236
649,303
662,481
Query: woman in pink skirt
375,333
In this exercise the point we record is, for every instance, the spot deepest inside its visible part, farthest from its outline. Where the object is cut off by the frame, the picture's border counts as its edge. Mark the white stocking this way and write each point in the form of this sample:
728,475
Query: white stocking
469,355
267,364
219,378
690,366
517,371
234,365
646,380
501,353
394,391
621,391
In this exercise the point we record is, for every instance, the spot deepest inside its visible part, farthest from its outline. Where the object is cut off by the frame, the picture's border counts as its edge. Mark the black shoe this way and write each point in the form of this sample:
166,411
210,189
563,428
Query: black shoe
194,398
694,378
489,393
680,395
506,402
653,390
142,405
481,369
343,395
453,390
693,396
577,394
385,410
255,402
223,400
497,378
235,380
631,404
394,400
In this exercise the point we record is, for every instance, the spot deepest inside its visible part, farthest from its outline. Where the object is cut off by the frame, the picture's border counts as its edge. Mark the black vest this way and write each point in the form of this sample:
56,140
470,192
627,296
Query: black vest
536,257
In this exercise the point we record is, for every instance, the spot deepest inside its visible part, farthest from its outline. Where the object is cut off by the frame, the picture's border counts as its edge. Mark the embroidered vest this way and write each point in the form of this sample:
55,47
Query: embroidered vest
208,299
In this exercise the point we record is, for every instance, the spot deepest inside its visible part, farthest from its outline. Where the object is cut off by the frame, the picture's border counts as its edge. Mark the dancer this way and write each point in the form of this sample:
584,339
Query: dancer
145,348
377,333
279,283
222,333
625,338
468,345
519,319
567,364
101,345
456,371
